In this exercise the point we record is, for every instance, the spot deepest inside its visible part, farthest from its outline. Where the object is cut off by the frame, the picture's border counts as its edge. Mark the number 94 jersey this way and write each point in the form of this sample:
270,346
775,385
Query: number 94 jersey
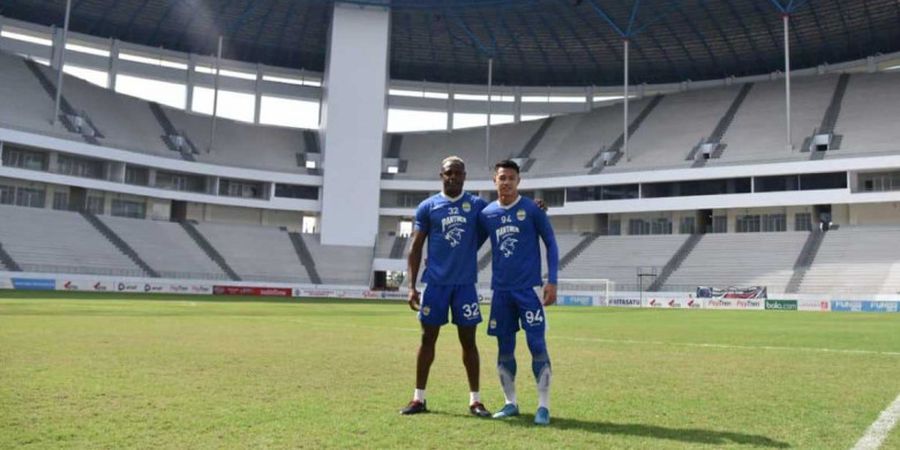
451,225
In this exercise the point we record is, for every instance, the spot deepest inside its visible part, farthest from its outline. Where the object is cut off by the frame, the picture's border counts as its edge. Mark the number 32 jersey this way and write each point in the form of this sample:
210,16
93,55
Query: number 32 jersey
453,238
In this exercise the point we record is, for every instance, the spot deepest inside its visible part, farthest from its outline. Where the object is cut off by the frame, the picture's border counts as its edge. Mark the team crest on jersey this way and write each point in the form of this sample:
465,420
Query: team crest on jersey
508,246
426,310
520,215
493,324
454,236
466,206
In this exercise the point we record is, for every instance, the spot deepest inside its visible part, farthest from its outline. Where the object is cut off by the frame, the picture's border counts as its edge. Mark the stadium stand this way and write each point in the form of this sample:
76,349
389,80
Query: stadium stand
42,240
338,264
617,258
740,259
854,260
256,253
24,105
166,247
868,113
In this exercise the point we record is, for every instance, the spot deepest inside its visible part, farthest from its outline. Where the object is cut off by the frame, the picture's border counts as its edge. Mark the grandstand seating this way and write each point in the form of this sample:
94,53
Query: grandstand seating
256,253
166,247
856,260
24,104
758,131
41,240
617,258
339,264
740,259
669,133
868,113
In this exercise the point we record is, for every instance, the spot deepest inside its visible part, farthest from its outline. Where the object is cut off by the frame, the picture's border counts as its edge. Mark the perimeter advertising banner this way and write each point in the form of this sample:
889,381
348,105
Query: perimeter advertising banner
253,291
782,305
865,306
34,284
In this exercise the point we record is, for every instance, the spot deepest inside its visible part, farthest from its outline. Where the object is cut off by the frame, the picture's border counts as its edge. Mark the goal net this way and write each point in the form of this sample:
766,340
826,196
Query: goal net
584,291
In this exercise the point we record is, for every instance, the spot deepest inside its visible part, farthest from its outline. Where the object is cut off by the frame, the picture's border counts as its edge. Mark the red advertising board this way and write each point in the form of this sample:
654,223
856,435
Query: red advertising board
254,291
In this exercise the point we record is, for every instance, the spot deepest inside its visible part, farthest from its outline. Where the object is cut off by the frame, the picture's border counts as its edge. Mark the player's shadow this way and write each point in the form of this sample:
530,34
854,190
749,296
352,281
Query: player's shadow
691,435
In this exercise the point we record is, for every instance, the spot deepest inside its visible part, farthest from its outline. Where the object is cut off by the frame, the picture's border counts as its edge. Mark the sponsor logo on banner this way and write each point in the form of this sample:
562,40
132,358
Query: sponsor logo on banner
576,300
34,284
101,286
880,307
371,294
749,304
70,285
127,287
846,305
631,302
720,304
814,305
153,287
693,303
393,295
784,305
201,289
179,288
664,303
253,291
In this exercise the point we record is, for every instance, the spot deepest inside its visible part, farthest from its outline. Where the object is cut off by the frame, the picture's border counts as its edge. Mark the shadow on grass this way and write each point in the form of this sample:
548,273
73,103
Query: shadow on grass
687,435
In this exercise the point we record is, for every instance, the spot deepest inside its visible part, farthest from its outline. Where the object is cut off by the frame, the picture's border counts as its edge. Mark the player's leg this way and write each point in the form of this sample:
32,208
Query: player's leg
467,316
534,323
504,325
433,313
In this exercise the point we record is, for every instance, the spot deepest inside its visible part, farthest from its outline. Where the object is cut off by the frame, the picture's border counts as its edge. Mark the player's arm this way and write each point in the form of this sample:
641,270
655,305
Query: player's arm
545,230
413,260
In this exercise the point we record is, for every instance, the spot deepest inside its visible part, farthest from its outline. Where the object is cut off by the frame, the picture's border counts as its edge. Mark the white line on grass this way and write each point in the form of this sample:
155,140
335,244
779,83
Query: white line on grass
728,346
622,341
878,431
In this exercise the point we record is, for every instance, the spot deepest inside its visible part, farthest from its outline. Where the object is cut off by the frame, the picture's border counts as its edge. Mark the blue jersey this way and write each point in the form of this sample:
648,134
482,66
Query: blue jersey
514,232
453,238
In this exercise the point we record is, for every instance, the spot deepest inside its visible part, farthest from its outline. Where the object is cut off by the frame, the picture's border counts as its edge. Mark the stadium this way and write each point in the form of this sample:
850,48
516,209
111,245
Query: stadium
206,209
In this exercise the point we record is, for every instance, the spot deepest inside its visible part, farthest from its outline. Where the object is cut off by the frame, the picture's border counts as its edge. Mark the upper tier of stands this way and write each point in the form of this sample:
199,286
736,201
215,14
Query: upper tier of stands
129,123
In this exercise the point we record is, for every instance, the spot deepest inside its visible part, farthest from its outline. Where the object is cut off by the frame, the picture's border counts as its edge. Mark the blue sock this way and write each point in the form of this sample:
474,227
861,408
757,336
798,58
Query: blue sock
540,366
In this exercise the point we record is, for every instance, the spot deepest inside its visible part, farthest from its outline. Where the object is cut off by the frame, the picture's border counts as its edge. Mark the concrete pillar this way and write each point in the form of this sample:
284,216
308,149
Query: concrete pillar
113,69
355,93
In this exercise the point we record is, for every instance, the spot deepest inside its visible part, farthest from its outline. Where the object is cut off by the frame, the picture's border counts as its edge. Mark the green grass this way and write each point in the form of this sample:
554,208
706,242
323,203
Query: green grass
117,371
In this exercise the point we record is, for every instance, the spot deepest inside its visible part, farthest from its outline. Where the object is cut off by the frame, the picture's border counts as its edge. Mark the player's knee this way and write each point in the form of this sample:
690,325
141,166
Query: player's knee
429,336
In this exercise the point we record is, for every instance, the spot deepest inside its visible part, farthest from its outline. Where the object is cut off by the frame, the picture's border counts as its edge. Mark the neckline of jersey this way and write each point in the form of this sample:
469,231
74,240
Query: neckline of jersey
508,207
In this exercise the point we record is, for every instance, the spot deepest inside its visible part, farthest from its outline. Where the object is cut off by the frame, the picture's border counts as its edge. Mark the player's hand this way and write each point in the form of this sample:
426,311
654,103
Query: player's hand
549,294
413,299
541,204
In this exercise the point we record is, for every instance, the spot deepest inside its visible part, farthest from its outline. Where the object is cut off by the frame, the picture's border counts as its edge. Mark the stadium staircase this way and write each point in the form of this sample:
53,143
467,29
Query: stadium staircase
484,261
311,143
675,261
88,131
829,120
805,260
210,251
305,257
8,262
120,244
187,149
589,239
398,247
525,154
616,147
721,128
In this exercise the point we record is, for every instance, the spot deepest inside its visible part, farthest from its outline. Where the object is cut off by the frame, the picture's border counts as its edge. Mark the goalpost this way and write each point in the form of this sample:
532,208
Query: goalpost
585,291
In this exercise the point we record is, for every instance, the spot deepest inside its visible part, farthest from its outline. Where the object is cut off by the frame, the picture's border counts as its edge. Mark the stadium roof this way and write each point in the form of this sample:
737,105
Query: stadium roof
533,42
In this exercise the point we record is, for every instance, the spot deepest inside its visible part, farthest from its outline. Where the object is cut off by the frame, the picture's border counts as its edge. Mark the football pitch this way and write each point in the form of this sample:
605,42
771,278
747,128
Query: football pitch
110,371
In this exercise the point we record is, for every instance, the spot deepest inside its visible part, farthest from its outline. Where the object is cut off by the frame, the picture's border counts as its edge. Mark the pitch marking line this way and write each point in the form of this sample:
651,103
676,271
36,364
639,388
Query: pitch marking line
879,430
728,346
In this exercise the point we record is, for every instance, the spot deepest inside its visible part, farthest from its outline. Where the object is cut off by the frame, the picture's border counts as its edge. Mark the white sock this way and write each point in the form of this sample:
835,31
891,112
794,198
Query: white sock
419,395
508,384
474,397
543,388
